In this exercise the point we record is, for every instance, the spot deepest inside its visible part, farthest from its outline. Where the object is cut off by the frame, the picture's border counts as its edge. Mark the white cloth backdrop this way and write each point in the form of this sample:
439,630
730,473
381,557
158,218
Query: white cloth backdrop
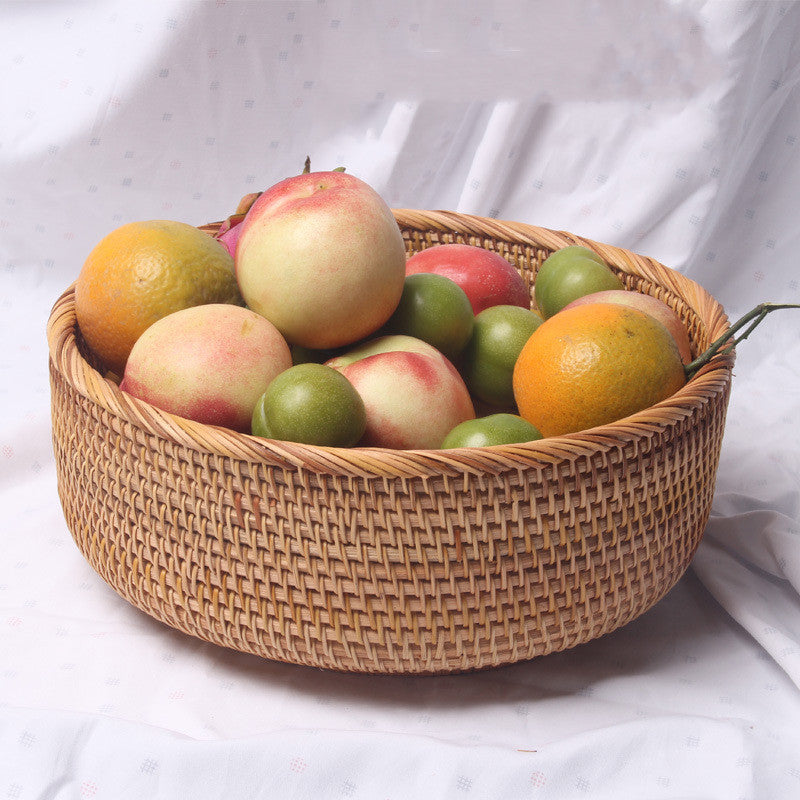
669,128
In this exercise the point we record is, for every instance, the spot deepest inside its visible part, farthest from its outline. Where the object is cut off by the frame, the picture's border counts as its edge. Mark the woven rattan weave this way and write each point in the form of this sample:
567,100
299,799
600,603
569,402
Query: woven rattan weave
388,561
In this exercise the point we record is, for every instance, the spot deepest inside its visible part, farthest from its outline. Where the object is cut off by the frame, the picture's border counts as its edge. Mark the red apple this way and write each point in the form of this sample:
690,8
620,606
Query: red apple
210,363
413,400
650,305
321,256
486,277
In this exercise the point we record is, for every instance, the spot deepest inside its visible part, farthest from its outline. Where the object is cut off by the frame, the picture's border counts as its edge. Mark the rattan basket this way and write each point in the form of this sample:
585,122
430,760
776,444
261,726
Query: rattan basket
389,561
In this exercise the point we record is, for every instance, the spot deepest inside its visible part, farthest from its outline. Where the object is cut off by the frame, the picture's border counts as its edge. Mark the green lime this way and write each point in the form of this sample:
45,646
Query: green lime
573,251
494,429
568,274
499,334
435,309
312,404
259,425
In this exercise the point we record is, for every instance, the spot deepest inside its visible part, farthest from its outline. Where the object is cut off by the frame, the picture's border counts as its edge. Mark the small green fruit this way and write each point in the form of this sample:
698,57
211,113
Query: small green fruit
499,334
435,309
573,251
492,430
311,404
568,274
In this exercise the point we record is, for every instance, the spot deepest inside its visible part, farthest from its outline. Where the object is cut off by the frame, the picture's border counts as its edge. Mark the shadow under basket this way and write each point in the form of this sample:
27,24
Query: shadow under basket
389,561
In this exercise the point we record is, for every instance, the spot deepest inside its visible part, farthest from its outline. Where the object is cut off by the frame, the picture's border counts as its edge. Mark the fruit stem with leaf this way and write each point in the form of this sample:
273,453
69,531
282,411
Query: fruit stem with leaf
729,339
307,167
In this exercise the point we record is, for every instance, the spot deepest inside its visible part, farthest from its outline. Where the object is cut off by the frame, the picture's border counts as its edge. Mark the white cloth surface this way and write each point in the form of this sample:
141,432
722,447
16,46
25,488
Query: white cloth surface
669,128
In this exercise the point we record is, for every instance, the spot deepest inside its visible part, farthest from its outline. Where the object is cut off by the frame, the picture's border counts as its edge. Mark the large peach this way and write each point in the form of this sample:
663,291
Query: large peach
485,276
650,305
210,363
383,344
321,256
412,400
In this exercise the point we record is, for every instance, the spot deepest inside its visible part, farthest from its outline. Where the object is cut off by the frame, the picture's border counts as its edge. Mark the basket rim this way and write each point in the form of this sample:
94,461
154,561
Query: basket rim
371,462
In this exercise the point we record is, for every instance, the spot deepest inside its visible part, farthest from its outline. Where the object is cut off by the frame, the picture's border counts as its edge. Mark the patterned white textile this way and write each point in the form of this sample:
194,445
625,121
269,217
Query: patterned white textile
669,128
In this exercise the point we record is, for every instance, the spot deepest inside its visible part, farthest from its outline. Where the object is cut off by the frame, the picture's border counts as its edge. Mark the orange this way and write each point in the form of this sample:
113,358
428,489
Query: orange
592,365
141,272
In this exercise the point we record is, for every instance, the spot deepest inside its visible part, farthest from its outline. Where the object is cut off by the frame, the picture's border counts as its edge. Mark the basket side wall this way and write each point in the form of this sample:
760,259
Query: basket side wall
413,575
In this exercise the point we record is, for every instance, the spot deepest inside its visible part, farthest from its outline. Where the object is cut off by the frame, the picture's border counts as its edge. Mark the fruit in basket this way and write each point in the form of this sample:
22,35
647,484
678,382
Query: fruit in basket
494,429
139,273
321,256
209,363
412,399
499,334
573,251
650,305
382,344
435,309
311,404
570,273
592,365
485,276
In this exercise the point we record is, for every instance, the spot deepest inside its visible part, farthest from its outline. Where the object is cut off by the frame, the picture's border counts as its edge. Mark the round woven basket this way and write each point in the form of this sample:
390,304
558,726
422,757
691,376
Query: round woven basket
389,561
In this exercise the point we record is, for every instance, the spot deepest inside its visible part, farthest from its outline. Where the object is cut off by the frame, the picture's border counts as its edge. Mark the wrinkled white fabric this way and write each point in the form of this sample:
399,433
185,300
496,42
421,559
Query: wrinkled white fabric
668,128
709,762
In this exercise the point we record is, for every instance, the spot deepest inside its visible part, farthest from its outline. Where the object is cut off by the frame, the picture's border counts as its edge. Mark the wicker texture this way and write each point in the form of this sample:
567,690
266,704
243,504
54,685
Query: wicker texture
394,561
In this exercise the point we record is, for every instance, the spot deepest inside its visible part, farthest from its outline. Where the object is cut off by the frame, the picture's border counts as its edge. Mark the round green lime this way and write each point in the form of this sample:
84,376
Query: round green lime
490,430
312,404
435,309
258,424
573,251
568,274
499,334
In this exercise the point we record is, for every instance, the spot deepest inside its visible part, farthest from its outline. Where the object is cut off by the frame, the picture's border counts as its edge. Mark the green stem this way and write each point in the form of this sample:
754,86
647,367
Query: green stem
729,339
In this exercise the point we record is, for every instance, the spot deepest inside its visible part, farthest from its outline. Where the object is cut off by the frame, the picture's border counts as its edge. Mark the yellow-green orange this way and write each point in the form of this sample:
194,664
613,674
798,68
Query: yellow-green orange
141,272
592,365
